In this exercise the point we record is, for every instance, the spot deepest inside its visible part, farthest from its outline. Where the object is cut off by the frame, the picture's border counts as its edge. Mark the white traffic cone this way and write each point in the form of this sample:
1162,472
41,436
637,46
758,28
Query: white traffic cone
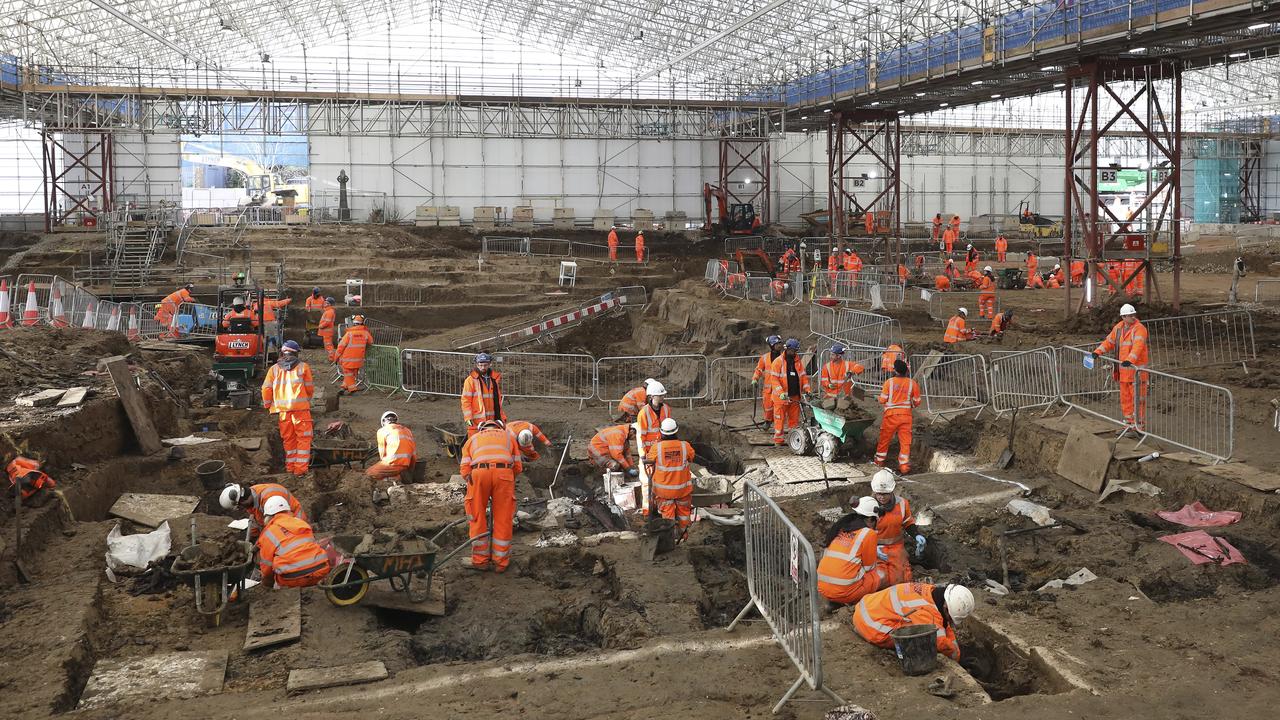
90,318
113,323
132,332
31,313
5,320
57,316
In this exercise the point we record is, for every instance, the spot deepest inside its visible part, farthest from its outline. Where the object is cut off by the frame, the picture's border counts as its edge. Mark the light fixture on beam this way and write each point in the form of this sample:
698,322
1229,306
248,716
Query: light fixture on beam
1059,85
995,95
1260,26
976,82
1137,50
1238,55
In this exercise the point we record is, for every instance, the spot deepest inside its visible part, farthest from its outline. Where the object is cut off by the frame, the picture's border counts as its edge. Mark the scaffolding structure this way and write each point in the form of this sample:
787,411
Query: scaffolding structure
865,137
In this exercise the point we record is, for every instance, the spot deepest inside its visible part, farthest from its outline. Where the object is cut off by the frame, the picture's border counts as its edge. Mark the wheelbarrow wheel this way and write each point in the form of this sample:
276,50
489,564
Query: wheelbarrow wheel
348,594
826,447
800,442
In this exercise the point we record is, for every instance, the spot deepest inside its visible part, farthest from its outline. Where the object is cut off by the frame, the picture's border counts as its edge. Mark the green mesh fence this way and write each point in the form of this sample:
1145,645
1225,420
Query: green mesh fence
382,367
1217,198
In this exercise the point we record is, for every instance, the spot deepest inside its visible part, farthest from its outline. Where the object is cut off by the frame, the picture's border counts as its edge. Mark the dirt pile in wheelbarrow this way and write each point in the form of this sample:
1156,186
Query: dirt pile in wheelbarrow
387,542
213,554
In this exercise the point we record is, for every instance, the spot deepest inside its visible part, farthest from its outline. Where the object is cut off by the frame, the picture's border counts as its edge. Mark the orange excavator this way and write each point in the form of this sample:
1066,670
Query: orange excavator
766,265
733,219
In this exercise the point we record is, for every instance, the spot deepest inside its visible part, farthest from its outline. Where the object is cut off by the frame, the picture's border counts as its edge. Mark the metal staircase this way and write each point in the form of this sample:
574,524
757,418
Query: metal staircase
133,249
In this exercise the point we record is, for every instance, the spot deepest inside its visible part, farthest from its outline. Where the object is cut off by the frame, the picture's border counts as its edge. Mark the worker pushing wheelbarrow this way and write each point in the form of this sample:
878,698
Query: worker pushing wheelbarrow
407,563
829,434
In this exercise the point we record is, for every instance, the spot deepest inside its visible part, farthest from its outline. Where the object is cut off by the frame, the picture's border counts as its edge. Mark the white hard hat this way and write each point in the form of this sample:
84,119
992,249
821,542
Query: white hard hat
964,311
653,387
275,504
525,437
969,246
986,269
883,482
959,601
230,496
1128,309
1057,266
669,426
389,416
649,381
866,506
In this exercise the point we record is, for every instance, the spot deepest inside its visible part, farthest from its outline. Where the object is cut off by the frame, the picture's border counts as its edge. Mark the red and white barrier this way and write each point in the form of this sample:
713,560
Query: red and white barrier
57,314
90,317
133,333
5,320
571,317
31,313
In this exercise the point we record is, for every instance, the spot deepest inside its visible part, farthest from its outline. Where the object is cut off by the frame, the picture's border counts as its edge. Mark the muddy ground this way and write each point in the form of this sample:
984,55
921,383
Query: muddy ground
590,630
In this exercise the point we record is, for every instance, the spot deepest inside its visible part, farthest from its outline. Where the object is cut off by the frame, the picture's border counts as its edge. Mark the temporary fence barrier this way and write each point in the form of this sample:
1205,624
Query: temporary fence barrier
685,376
383,333
730,379
763,288
557,247
782,580
26,285
945,305
196,321
434,372
771,245
1223,336
382,367
1180,411
380,293
524,375
1267,292
951,384
1023,380
854,327
859,286
871,359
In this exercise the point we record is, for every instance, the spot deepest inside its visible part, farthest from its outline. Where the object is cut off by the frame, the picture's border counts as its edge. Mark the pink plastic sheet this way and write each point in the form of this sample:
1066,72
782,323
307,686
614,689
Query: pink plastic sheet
1197,515
1200,547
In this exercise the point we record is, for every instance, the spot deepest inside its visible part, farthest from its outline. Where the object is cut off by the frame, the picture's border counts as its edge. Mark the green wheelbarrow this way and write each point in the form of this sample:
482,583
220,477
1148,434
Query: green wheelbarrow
827,434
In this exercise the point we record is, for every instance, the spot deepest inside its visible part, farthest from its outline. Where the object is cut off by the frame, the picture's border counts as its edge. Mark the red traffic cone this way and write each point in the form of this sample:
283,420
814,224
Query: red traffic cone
31,313
132,333
57,316
90,318
113,324
5,320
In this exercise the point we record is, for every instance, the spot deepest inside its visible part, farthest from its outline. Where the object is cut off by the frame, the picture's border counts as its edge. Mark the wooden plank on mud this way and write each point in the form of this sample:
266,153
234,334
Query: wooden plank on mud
303,679
135,407
1085,459
275,617
1246,475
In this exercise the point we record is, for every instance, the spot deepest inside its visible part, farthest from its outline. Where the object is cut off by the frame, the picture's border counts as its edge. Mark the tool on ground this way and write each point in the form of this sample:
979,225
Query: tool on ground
1217,559
23,574
1006,457
564,453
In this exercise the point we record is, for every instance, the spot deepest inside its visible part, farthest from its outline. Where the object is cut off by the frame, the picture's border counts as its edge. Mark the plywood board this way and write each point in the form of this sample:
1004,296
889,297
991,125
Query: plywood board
1087,423
275,617
151,510
304,679
1187,457
1085,459
797,468
1246,475
135,407
169,676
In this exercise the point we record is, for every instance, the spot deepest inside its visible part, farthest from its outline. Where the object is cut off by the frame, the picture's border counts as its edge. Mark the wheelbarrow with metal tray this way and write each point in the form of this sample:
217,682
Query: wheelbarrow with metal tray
827,434
348,452
214,586
411,559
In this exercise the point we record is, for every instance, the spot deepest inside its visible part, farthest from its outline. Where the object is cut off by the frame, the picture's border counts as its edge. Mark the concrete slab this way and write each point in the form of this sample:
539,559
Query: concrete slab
1085,459
275,617
44,398
151,510
248,443
304,679
1246,475
169,676
73,397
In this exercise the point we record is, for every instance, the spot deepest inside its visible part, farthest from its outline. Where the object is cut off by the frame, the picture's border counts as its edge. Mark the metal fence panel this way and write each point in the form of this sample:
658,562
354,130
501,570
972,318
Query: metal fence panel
434,372
1267,292
854,327
385,293
530,375
685,376
782,579
870,358
944,305
1223,336
383,333
32,285
951,384
730,379
1022,380
1177,410
382,367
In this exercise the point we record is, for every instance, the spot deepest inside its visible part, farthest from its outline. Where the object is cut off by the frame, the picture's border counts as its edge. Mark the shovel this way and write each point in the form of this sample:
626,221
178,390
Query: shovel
1006,457
23,574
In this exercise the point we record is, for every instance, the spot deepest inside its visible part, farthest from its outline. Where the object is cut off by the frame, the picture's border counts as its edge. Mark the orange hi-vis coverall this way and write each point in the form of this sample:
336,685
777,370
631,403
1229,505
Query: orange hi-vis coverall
482,399
1077,272
397,452
1000,323
899,396
326,330
869,222
288,554
971,257
314,302
942,282
630,404
1002,247
490,463
790,383
836,378
956,332
880,613
937,226
530,451
1033,264
650,422
613,245
168,307
986,297
763,369
261,493
949,237
672,481
955,225
26,471
891,353
639,247
853,265
608,449
889,531
1130,344
849,569
350,351
286,392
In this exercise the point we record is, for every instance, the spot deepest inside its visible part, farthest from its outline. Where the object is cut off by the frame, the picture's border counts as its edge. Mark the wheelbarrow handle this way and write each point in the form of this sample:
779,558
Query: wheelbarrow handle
447,528
465,544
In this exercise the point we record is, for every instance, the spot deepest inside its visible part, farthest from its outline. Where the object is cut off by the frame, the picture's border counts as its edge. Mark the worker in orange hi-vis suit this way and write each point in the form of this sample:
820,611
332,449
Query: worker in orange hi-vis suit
834,263
902,274
891,354
168,307
763,368
869,222
1033,264
1056,277
895,525
899,396
315,301
880,613
955,225
610,448
667,463
288,554
526,434
987,293
286,392
630,404
850,567
271,322
640,246
397,450
1035,281
790,384
1077,273
1002,247
956,330
941,282
853,265
937,229
327,327
490,464
1001,323
350,351
950,270
655,410
971,257
252,498
482,394
836,379
949,238
1129,339
613,244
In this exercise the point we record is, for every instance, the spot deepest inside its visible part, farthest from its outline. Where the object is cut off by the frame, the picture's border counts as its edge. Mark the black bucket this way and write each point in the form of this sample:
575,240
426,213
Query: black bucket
917,648
211,474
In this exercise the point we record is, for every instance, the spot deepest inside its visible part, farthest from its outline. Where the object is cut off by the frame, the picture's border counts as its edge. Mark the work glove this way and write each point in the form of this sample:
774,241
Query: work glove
469,423
632,472
1126,363
754,383
881,555
920,543
1096,354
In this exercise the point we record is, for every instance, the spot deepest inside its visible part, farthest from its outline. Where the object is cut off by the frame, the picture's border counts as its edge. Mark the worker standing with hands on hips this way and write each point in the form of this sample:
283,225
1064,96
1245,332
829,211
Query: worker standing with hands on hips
880,613
899,397
288,554
351,350
1129,339
790,384
482,394
667,462
896,523
286,393
850,566
490,463
764,368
